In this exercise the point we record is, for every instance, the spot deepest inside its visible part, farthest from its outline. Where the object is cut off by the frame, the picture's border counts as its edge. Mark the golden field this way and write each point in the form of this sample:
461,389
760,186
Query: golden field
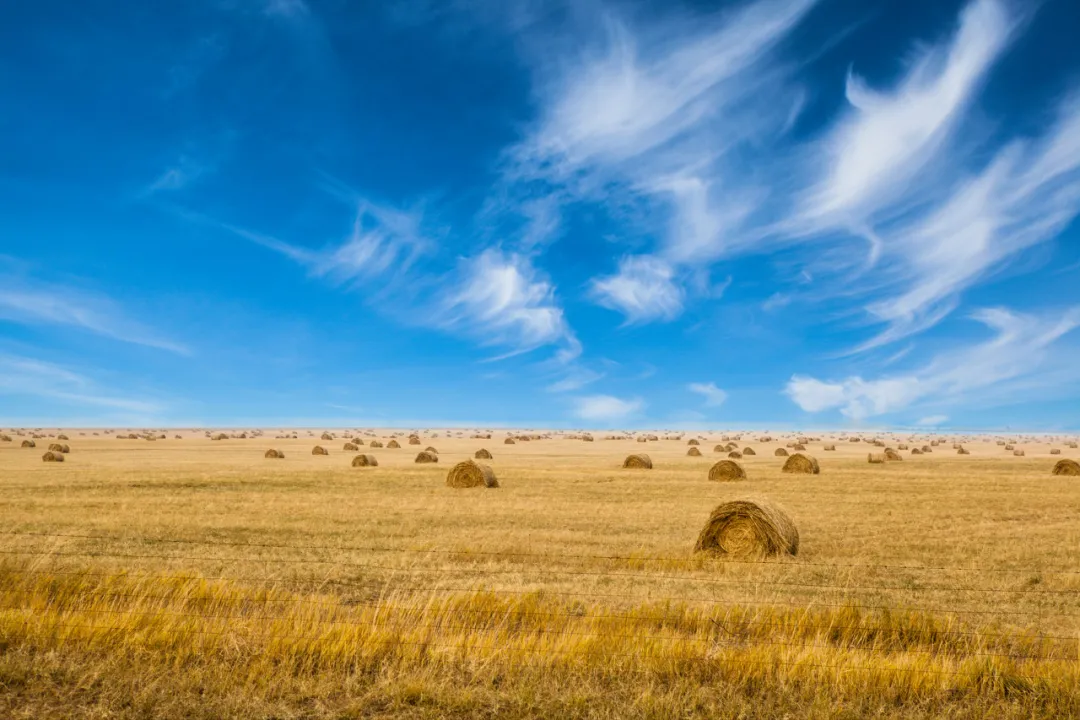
196,578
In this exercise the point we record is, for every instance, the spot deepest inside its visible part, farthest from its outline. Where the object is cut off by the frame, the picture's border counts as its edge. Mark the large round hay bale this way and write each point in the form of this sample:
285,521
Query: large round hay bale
5,438
393,445
780,452
414,440
727,470
1018,453
427,457
916,451
1067,467
1010,448
29,443
798,447
350,446
470,474
1055,451
326,436
875,458
482,454
963,451
62,436
319,450
692,441
365,461
892,455
53,456
750,528
927,449
693,452
748,451
431,450
274,454
639,461
377,444
735,455
829,448
509,441
800,463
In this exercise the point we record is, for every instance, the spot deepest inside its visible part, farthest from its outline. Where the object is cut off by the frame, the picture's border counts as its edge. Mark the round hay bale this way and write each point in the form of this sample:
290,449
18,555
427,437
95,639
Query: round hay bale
414,440
319,450
56,447
29,443
274,454
469,474
326,436
393,444
798,447
735,455
719,448
482,454
892,455
1010,448
642,439
53,456
639,461
427,457
916,451
693,452
350,446
750,528
829,448
963,451
927,449
1067,467
5,438
377,444
62,436
1055,451
901,447
727,470
509,441
875,458
748,451
799,463
365,461
431,450
780,452
1018,453
692,441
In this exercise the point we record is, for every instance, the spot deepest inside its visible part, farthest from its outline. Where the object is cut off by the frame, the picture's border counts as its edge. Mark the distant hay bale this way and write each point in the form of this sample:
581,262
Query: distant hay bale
963,451
639,461
393,444
350,446
780,452
5,438
427,457
798,447
1009,448
916,451
720,448
727,470
60,448
29,443
482,454
470,474
274,454
1018,453
1055,451
219,436
749,528
326,436
365,461
927,449
431,450
53,456
642,439
319,450
901,447
799,463
829,448
62,436
414,440
892,455
377,444
735,455
586,438
1071,445
652,438
1067,467
875,458
692,442
693,452
748,451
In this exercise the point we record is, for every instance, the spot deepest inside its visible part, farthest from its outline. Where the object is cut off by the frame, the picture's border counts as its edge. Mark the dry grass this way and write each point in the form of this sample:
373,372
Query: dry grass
302,589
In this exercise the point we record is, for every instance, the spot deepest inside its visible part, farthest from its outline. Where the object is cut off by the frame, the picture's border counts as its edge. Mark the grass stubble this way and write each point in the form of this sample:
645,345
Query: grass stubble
190,578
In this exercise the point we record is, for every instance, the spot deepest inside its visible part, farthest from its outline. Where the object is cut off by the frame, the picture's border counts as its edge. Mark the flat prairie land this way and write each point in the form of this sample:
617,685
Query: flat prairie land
192,578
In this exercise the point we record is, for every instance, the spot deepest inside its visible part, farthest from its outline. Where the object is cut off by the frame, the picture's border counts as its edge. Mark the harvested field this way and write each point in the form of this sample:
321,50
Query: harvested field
191,574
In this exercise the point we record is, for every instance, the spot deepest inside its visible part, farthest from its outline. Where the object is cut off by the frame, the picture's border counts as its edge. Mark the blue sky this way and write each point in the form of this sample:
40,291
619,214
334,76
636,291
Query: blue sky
774,214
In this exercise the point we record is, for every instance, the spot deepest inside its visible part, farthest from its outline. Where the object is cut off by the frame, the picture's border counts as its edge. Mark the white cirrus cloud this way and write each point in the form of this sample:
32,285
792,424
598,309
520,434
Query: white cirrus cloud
503,300
30,377
1013,356
932,420
714,396
643,289
37,303
606,408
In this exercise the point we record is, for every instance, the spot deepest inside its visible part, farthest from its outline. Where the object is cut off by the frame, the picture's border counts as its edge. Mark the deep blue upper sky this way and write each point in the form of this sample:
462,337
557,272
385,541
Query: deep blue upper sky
781,213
